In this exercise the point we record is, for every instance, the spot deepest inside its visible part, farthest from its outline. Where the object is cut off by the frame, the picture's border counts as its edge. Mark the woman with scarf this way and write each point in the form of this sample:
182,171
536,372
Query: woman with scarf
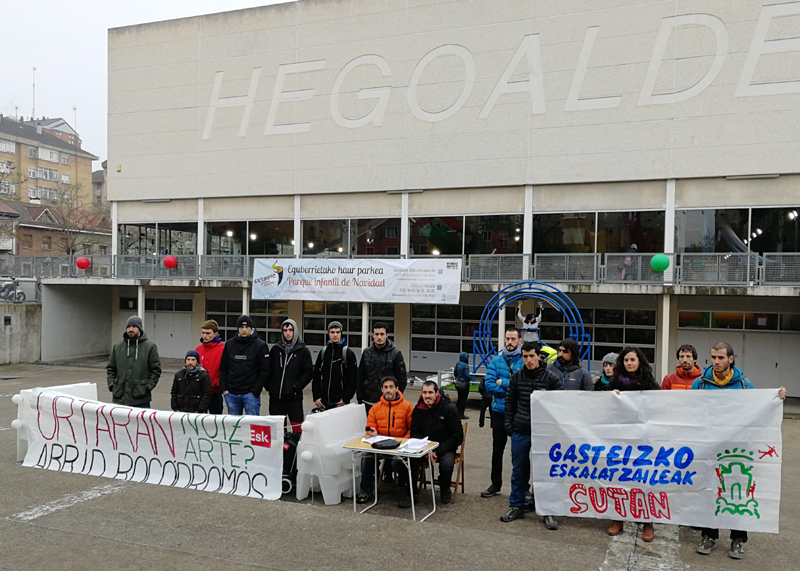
634,373
609,368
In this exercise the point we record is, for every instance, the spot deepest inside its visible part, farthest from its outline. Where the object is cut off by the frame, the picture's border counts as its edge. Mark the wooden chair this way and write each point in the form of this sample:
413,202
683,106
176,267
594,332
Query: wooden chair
458,469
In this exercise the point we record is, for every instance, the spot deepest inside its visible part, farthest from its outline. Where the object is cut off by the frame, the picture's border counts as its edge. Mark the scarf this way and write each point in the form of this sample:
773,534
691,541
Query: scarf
514,353
721,382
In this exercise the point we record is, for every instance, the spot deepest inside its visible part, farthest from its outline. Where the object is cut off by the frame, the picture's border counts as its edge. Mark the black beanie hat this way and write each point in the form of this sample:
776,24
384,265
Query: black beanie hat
192,353
244,320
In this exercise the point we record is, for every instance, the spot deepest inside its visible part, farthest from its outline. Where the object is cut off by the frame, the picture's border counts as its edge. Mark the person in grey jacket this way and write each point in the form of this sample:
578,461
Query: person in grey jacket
291,372
568,368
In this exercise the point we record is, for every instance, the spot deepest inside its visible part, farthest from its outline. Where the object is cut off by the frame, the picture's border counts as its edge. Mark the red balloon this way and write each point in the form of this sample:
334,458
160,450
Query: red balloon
170,262
83,263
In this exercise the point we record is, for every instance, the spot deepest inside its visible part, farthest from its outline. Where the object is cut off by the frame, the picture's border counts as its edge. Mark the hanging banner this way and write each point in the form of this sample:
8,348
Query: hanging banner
697,458
372,280
237,455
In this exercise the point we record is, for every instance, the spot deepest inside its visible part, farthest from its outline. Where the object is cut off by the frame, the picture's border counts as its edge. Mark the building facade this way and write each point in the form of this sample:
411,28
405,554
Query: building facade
563,142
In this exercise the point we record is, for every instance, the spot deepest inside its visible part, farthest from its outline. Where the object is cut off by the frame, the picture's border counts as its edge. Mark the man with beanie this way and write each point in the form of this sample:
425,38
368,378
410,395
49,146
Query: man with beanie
498,374
335,371
244,369
379,360
291,371
601,382
210,351
133,368
533,376
191,387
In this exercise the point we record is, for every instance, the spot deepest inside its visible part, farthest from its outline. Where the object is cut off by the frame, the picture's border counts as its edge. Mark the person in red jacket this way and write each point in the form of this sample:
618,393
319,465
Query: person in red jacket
686,371
210,350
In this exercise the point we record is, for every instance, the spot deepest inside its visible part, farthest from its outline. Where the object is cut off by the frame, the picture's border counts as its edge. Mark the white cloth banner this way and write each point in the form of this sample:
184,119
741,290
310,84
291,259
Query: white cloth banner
363,279
698,458
237,455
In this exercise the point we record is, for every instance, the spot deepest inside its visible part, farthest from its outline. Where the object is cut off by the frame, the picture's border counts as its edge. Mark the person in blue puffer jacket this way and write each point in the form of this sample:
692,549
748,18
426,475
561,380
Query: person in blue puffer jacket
498,374
463,379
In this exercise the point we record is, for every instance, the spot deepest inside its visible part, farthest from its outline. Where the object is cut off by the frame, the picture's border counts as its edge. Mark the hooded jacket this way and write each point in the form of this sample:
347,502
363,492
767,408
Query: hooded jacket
440,422
573,377
375,365
210,358
706,380
391,418
461,372
244,366
500,368
335,374
191,390
681,380
133,370
518,396
291,368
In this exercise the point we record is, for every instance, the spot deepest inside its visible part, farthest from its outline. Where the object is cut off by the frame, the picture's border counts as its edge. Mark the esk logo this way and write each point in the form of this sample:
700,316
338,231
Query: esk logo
260,435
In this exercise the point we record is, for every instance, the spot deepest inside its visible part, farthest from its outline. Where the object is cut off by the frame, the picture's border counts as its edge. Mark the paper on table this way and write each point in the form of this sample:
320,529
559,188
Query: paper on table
415,444
372,439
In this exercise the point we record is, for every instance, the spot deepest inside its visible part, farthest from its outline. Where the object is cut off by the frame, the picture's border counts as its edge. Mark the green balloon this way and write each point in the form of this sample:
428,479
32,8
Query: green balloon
659,262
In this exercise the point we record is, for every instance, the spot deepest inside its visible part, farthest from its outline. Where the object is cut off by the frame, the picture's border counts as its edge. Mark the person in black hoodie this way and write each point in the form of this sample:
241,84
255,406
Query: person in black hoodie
191,387
244,369
381,359
291,370
436,418
533,376
335,371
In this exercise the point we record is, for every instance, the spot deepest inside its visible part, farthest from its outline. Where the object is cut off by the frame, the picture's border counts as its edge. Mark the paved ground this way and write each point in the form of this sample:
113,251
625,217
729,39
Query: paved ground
63,521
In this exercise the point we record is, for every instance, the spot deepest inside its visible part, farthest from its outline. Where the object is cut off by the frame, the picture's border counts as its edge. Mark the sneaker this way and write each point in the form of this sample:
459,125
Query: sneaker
706,545
550,523
615,528
512,514
363,498
446,496
464,417
490,492
737,549
405,503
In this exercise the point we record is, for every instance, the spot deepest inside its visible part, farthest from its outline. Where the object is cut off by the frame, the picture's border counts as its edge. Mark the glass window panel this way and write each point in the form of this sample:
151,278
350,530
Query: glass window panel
498,234
315,307
609,316
710,230
326,237
128,303
381,310
336,309
215,305
694,319
448,346
226,238
442,235
601,351
165,304
377,236
650,354
640,317
587,315
271,238
388,322
273,337
355,325
149,304
467,347
761,321
315,323
608,335
790,322
619,231
423,344
472,312
551,315
314,339
571,232
640,336
230,320
234,306
262,335
423,328
353,341
183,305
449,329
552,333
448,311
178,239
259,321
258,306
355,309
469,329
219,318
776,230
275,322
727,320
279,307
420,311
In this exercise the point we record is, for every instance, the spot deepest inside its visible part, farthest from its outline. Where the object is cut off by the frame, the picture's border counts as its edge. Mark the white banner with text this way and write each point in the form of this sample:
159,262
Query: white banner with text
364,279
698,458
237,455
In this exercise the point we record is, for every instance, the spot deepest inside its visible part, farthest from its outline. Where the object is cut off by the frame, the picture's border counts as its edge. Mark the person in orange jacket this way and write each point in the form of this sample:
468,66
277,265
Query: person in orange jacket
390,416
685,373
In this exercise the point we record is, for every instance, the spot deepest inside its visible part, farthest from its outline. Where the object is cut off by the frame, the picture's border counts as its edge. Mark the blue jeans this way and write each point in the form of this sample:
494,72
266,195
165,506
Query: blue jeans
142,405
520,468
248,401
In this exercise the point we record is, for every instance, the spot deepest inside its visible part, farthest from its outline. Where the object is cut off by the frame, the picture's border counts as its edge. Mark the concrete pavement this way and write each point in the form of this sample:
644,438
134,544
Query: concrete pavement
65,521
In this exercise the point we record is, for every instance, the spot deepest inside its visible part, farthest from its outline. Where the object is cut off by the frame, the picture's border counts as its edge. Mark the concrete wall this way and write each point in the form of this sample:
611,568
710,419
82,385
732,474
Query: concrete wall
76,321
20,341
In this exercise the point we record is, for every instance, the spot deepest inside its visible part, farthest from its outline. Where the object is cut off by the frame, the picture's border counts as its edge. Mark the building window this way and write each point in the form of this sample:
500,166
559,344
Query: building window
7,188
65,159
445,328
27,240
326,238
711,230
566,233
63,244
103,250
32,153
498,234
47,243
65,178
267,317
775,230
87,249
42,192
8,147
376,236
438,235
5,167
43,173
618,232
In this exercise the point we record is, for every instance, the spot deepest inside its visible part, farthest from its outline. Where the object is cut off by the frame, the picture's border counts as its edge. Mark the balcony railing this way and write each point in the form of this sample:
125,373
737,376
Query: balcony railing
734,269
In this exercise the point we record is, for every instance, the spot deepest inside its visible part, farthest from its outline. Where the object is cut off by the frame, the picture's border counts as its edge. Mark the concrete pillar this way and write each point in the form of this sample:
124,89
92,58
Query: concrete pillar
669,230
201,231
666,335
199,311
296,313
298,232
140,305
116,328
501,328
114,229
402,330
245,301
365,332
527,232
404,229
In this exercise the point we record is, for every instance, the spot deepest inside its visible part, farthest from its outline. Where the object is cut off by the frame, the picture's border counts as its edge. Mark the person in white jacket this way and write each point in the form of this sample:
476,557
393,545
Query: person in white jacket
530,323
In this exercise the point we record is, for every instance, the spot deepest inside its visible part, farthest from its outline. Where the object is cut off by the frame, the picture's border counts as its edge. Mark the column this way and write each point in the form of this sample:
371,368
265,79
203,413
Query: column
666,332
404,234
298,231
669,231
140,304
365,338
501,328
201,234
296,313
527,232
402,330
114,229
245,301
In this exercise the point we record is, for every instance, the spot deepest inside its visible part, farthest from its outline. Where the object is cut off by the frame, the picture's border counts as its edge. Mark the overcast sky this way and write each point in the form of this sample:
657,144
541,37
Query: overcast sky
66,41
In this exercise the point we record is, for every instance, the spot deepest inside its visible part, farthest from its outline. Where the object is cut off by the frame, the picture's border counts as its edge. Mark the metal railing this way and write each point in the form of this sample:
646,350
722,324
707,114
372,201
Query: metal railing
732,269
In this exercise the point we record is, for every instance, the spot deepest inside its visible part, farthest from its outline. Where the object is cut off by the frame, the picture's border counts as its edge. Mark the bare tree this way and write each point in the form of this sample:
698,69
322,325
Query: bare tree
81,222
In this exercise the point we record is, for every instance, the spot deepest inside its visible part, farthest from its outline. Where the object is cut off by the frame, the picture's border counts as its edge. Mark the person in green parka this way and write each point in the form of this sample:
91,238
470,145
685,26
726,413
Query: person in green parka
133,367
